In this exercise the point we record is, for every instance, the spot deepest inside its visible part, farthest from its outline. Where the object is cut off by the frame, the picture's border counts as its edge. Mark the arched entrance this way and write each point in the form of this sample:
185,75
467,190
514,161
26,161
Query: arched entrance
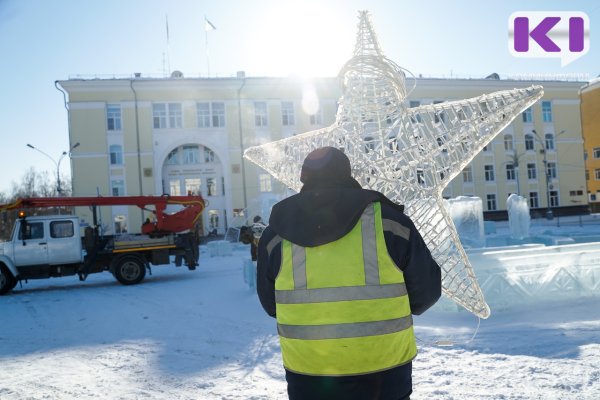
196,169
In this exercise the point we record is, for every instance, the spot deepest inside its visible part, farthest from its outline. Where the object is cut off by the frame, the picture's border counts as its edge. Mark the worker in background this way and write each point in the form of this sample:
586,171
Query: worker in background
257,228
343,269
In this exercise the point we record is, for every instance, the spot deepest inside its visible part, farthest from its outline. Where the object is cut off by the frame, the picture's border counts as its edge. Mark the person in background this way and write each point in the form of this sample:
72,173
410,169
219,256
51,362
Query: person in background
257,229
343,270
251,235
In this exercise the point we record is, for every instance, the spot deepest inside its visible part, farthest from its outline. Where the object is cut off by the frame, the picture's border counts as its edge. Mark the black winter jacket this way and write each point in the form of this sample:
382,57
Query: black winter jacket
322,214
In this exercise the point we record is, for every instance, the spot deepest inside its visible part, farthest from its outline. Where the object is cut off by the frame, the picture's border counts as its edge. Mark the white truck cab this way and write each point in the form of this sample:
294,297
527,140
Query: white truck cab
42,240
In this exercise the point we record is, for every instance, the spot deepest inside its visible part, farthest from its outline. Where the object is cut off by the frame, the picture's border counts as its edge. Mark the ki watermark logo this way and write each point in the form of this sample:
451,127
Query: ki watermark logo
549,34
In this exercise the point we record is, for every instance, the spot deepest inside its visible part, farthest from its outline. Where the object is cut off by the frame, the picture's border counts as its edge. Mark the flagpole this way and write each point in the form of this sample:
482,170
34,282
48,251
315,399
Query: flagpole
208,26
207,54
168,46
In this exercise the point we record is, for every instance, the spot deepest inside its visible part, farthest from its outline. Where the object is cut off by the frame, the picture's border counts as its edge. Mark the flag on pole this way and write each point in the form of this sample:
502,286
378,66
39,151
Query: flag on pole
208,26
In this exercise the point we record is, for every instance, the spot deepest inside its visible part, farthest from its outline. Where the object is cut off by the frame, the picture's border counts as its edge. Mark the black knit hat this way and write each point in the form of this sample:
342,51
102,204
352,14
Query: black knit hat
325,164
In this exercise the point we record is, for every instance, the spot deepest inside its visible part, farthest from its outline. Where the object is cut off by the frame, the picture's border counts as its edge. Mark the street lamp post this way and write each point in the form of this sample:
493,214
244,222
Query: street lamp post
514,161
544,150
56,163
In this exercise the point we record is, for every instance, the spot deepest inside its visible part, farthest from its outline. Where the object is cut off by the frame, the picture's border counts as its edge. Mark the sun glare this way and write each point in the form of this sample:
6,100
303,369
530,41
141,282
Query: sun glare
301,39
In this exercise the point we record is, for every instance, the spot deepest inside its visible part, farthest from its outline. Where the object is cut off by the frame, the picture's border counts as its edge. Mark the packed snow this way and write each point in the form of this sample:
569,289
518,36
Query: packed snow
203,335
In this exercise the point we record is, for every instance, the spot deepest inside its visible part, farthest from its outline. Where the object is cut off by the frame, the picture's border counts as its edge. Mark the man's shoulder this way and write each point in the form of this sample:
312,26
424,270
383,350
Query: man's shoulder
398,218
393,212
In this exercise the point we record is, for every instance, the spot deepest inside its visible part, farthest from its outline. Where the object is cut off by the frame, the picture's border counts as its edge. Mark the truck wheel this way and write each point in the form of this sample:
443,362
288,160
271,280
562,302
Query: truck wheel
130,270
7,281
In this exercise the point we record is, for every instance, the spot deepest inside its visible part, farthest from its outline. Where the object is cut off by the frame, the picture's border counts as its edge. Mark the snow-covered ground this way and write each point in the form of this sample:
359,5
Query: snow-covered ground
202,335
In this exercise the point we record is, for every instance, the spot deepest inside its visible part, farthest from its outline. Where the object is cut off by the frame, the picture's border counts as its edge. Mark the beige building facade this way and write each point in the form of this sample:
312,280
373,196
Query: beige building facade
590,120
178,135
539,155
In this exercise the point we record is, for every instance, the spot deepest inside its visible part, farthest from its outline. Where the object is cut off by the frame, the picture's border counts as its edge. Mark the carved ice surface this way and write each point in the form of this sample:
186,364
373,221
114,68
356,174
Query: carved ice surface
409,154
519,219
467,215
518,275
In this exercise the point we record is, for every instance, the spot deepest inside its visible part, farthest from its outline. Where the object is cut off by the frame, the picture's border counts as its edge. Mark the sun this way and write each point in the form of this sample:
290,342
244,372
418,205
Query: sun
304,39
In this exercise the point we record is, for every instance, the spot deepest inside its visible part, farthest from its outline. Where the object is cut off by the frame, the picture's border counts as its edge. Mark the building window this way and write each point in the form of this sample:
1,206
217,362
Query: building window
213,219
116,154
551,170
420,177
489,173
120,224
260,113
174,187
113,117
467,174
210,115
485,108
597,174
369,144
265,182
191,154
209,155
439,115
573,193
531,171
203,115
211,187
510,172
549,141
159,116
486,148
587,175
533,200
316,118
465,113
491,202
173,157
192,186
596,152
529,142
528,115
160,112
218,115
287,113
593,197
553,198
508,143
175,115
546,111
117,188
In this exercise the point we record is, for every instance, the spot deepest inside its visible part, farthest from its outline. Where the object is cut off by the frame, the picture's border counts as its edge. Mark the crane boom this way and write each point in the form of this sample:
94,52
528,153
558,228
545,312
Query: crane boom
165,223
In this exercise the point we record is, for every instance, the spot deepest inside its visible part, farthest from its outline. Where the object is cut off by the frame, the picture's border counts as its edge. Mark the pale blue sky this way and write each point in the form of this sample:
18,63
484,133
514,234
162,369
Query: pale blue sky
42,41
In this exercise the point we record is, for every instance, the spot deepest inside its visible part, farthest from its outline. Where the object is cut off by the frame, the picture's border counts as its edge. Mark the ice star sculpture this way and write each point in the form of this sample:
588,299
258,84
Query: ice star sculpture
409,154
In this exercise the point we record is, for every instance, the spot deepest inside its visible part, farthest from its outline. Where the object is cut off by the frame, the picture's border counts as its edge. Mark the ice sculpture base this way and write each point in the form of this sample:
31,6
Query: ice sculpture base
516,276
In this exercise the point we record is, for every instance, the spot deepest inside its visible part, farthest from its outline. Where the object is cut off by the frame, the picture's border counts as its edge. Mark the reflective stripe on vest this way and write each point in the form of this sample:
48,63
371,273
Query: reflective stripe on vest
342,308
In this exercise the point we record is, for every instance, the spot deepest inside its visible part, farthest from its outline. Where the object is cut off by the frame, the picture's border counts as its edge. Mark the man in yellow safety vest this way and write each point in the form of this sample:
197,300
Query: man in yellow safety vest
343,270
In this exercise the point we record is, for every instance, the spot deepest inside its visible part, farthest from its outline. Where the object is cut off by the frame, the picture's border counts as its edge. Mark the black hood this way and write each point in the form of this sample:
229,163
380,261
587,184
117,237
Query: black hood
323,212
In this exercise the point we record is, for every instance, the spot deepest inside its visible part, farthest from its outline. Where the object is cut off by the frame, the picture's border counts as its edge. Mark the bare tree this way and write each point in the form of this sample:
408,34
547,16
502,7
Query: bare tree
32,184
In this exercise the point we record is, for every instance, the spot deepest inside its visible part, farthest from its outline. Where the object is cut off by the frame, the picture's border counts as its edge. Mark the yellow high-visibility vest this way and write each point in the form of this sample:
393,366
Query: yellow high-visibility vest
342,308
